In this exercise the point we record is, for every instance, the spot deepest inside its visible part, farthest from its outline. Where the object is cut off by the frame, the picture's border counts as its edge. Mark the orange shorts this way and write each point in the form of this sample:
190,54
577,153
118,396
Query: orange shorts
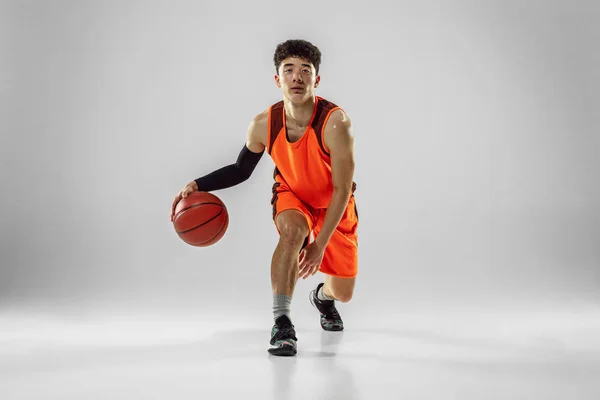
341,254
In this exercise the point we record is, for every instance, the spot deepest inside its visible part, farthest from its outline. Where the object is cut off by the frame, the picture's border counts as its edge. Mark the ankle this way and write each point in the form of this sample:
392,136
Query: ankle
324,295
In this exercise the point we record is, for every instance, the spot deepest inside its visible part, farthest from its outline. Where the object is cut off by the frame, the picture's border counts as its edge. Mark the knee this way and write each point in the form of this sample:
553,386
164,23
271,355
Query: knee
292,234
341,289
292,231
343,296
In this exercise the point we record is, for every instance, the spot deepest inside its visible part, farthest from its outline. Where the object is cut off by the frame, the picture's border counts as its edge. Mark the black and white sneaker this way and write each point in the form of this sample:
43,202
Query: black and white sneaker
283,338
330,317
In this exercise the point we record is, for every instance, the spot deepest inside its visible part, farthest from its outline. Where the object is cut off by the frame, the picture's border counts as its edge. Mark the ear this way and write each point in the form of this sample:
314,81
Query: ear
317,80
277,81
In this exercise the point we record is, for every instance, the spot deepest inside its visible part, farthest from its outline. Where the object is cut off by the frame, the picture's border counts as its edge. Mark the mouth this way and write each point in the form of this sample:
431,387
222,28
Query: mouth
297,89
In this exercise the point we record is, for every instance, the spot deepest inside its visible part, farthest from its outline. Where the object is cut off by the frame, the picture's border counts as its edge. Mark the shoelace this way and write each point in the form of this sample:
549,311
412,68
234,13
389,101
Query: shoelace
329,310
286,332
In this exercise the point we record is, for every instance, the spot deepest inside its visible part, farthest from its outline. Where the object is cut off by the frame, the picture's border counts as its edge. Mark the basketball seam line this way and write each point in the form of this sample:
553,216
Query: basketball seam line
204,223
196,205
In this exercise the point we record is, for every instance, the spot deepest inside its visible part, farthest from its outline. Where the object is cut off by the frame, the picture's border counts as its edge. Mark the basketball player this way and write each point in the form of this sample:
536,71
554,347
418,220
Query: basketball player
311,143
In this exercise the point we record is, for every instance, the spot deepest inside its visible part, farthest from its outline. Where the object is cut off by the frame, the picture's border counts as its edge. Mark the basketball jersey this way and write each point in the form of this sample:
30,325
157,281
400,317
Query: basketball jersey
303,166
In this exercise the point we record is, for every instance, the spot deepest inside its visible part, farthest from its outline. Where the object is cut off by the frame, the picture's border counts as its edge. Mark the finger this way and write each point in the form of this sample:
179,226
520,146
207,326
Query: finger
315,269
173,210
306,271
301,256
173,206
303,269
302,275
175,201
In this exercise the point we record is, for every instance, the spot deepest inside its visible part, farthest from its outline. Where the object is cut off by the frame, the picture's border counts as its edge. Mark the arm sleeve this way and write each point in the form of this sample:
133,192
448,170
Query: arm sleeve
232,174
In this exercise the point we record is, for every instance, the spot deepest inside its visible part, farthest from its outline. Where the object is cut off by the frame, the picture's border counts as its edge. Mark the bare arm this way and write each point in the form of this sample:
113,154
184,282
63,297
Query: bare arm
256,140
339,139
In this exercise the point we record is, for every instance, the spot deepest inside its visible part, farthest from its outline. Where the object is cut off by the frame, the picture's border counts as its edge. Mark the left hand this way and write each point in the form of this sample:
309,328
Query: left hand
310,260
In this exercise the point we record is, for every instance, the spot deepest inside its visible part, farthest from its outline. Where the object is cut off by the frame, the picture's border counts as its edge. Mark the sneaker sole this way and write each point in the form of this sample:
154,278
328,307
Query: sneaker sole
336,329
283,351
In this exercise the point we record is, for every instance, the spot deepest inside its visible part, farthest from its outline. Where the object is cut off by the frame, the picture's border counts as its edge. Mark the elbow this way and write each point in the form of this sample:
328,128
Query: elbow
342,189
244,174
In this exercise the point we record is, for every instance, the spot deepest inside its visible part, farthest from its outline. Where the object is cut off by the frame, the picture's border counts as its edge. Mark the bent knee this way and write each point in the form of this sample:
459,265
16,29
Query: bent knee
293,228
343,296
293,233
341,289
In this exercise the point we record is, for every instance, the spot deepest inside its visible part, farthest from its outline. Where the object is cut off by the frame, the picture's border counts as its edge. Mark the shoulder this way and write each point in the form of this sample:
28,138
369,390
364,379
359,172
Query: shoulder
260,121
337,133
338,120
338,129
259,125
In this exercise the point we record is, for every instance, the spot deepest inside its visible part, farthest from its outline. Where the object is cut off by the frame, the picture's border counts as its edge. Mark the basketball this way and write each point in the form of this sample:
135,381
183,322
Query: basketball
200,219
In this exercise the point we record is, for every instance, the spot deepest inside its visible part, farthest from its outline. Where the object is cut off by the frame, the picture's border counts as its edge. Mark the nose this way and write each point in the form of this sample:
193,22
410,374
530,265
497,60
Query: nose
297,77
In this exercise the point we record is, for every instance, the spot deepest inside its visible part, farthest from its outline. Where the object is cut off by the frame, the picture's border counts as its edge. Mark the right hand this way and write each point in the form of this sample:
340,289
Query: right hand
189,188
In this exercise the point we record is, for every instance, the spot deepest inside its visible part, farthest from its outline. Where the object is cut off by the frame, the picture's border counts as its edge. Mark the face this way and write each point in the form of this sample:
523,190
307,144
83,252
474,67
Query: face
297,79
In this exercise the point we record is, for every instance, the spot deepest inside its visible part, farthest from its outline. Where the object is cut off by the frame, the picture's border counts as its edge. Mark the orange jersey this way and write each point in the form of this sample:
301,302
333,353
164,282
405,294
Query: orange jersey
303,166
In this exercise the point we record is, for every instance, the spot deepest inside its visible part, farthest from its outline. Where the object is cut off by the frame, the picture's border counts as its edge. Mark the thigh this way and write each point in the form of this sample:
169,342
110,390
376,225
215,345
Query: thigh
341,255
340,258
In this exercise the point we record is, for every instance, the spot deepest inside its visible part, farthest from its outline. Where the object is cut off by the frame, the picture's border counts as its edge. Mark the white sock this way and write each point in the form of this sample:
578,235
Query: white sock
322,296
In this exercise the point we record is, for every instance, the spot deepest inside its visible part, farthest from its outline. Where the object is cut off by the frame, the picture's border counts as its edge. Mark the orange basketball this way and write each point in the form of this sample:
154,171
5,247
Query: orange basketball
201,219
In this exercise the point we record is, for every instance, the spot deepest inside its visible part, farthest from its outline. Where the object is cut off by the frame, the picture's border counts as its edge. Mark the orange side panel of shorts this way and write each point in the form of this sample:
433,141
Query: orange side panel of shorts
341,255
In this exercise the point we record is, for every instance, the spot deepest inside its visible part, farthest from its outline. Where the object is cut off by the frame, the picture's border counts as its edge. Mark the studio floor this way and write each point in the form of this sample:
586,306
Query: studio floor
451,356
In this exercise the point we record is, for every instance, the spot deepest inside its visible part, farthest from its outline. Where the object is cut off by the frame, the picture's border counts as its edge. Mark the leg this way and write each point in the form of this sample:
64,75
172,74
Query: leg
294,223
340,265
340,289
293,230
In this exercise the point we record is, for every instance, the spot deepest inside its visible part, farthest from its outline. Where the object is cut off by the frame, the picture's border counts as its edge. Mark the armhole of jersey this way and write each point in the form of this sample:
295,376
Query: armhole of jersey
275,123
269,130
322,133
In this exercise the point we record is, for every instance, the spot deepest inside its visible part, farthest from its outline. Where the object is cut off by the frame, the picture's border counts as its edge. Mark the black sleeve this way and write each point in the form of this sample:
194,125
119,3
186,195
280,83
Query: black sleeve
232,174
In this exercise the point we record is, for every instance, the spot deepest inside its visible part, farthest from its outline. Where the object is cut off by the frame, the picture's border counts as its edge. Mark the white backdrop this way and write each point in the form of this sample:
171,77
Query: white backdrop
476,127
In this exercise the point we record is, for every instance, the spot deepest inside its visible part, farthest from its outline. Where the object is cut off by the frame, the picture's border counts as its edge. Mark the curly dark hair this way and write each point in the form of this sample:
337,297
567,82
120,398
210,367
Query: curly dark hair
297,48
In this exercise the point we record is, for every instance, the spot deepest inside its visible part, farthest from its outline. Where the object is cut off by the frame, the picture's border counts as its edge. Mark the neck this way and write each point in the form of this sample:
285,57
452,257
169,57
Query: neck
299,113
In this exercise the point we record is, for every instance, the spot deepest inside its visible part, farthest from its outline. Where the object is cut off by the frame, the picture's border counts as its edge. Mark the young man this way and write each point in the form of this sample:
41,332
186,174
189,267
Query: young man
311,143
